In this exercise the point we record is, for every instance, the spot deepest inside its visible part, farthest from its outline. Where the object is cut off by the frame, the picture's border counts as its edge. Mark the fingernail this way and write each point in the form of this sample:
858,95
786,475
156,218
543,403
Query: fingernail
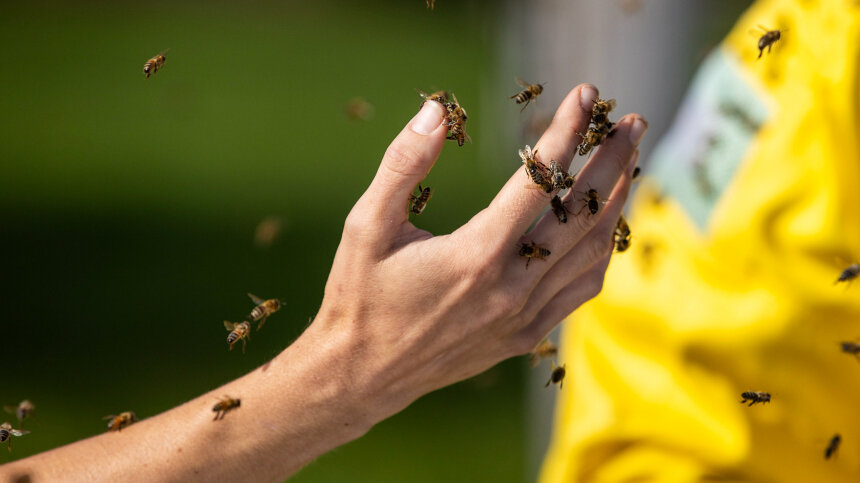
586,97
637,130
427,119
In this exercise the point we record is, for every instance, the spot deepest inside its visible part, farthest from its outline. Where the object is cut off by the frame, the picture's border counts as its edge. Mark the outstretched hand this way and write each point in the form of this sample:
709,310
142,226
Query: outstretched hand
418,311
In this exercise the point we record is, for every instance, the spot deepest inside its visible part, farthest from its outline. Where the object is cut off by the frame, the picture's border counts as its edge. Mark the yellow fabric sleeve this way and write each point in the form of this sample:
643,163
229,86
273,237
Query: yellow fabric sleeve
748,213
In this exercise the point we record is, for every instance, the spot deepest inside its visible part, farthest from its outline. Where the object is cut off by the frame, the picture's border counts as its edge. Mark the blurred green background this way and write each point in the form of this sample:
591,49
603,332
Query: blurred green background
128,206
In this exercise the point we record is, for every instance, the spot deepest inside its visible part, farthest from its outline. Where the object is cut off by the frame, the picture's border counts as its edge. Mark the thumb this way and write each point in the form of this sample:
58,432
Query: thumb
406,162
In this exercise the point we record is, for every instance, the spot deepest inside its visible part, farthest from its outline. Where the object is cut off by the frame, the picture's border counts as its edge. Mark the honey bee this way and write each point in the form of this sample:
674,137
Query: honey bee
592,202
358,109
457,121
531,250
417,203
530,92
556,376
238,330
225,405
636,172
544,350
440,96
125,419
535,170
767,40
755,397
559,209
268,231
6,433
593,137
622,235
601,110
152,65
851,348
264,309
22,411
559,178
833,446
431,4
849,273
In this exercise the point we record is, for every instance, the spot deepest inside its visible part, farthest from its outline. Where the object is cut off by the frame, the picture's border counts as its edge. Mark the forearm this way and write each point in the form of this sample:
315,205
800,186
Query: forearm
293,409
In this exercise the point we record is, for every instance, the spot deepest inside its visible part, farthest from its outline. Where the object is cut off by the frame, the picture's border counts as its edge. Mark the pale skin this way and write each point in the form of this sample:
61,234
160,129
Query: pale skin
404,313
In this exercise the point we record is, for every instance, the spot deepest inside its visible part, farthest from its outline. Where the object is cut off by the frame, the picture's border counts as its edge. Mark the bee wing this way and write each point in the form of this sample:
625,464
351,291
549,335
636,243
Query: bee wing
454,96
522,82
111,416
611,103
756,33
468,138
19,432
230,325
257,300
422,93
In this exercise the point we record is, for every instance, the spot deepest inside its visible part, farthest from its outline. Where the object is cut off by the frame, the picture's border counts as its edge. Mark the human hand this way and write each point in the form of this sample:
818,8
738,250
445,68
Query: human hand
414,312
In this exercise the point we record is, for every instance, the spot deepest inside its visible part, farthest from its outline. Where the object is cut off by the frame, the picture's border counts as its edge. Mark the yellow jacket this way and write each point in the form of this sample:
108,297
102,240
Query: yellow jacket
750,212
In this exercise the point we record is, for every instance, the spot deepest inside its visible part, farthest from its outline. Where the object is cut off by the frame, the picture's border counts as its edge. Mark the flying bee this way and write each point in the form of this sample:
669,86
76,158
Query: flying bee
6,433
152,65
22,411
556,376
833,446
766,40
431,4
601,110
225,405
457,121
537,171
417,203
238,330
531,250
528,94
125,419
358,109
755,397
592,202
636,172
849,273
559,209
264,309
851,348
544,350
440,96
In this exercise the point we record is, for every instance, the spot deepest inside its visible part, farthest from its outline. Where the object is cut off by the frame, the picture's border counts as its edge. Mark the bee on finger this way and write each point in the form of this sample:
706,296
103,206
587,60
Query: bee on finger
531,250
528,94
225,405
593,137
439,96
591,201
766,40
755,397
22,411
152,65
559,209
601,110
833,446
417,203
263,310
536,171
123,420
559,178
556,376
849,273
544,350
6,433
457,121
238,330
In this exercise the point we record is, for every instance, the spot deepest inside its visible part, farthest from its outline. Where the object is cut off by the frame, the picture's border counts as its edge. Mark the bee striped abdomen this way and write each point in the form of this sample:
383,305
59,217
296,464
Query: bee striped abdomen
523,96
4,435
258,312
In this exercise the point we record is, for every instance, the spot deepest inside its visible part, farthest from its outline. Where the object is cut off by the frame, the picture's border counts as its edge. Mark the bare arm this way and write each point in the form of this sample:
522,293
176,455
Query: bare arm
404,313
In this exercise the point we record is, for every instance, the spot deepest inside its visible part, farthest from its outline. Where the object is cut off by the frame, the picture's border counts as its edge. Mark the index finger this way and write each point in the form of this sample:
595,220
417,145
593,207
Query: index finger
514,209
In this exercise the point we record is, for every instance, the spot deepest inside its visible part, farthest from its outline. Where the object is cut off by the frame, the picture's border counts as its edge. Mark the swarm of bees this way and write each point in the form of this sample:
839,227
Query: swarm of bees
456,120
225,405
152,65
531,92
123,420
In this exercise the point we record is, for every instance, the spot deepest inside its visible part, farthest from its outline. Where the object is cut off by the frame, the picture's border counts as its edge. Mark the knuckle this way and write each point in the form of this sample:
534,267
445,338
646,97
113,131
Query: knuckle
401,159
594,284
598,247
